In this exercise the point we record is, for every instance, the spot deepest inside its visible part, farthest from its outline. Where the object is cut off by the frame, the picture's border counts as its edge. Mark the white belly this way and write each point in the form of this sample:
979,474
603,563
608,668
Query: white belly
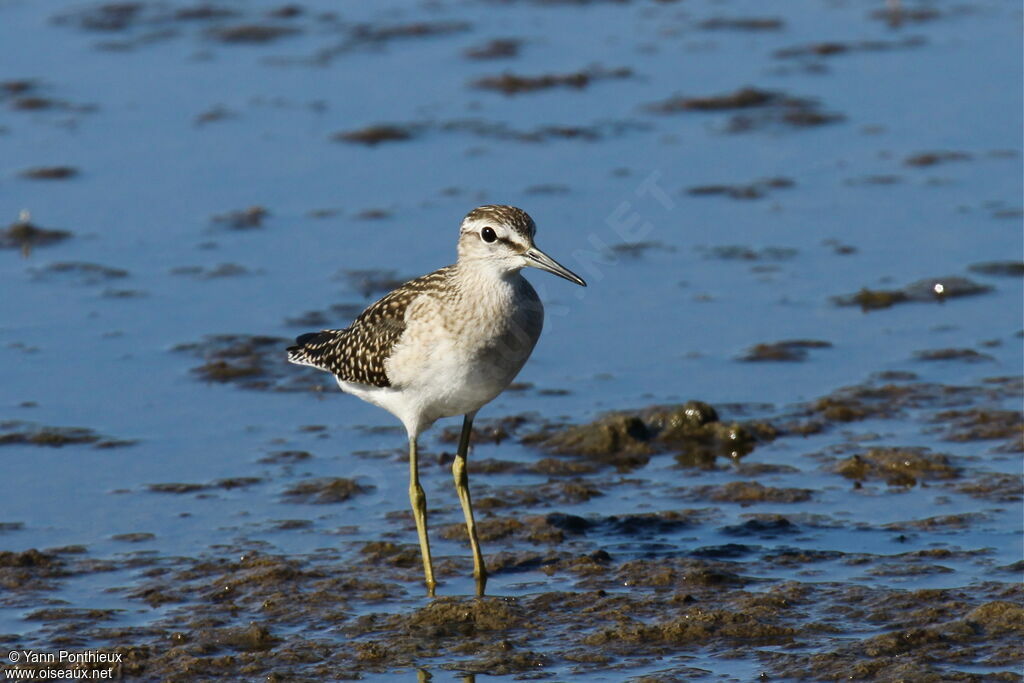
450,363
442,388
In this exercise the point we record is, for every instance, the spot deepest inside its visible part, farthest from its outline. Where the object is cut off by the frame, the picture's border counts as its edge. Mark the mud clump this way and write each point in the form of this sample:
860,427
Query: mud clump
749,492
71,614
24,95
981,424
504,663
513,84
627,441
930,290
498,48
898,467
998,268
979,632
111,16
754,190
29,570
544,495
615,434
371,136
488,530
933,633
17,86
28,558
51,436
742,24
999,617
252,638
694,427
871,299
176,487
325,491
184,488
488,430
230,483
85,273
897,14
830,49
285,457
875,179
644,525
633,250
925,159
243,219
388,553
134,537
743,98
541,134
963,355
939,523
843,408
943,288
762,526
252,33
212,272
452,617
554,528
997,487
163,21
696,575
374,214
24,235
366,35
774,108
15,432
50,173
490,629
202,12
785,351
694,627
254,362
895,399
737,252
554,467
34,103
223,371
416,29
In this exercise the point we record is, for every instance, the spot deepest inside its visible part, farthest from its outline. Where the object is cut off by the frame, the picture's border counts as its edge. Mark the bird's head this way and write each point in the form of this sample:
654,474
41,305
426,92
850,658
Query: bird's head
502,237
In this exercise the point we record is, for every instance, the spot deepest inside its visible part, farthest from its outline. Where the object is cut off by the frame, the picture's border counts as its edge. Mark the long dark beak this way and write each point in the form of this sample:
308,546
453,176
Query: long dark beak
538,259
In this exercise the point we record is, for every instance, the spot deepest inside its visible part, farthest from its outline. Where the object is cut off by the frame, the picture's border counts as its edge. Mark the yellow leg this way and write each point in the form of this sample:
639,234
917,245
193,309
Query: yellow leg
462,486
419,512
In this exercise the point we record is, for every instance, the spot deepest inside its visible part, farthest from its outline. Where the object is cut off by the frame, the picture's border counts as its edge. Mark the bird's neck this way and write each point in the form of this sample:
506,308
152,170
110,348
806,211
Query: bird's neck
485,273
497,306
487,284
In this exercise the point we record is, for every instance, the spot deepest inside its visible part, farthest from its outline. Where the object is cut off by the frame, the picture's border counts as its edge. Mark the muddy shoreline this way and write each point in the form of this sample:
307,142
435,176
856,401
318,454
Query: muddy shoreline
627,595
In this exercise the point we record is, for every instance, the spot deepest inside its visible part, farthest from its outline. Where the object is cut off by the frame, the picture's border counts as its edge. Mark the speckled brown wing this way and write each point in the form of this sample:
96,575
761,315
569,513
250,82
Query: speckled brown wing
357,353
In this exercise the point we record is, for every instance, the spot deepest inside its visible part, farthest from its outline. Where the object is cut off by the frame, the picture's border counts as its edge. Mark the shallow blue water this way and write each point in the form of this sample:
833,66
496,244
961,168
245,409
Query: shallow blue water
665,326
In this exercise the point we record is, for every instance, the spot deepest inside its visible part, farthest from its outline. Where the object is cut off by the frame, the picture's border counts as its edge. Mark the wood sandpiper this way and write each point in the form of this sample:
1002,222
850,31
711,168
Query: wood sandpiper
443,345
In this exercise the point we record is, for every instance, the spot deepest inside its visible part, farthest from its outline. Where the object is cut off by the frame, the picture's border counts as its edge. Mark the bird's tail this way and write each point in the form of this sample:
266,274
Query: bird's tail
302,353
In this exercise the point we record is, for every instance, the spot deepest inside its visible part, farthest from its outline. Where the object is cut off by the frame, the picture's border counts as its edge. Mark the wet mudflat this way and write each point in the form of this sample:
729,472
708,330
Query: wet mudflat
779,436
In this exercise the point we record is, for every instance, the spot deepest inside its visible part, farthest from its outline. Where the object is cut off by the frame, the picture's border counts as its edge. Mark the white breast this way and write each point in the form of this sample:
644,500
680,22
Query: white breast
462,349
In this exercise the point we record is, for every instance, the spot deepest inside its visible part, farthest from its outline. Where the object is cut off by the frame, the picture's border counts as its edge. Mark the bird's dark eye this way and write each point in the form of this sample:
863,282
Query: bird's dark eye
488,235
